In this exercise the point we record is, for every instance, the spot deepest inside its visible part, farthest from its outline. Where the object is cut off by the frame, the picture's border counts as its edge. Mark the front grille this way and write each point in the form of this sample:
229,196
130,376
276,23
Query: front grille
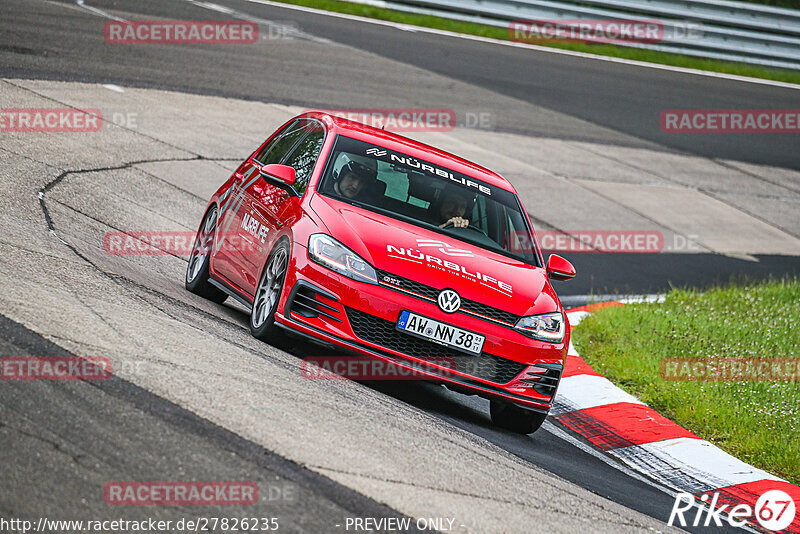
489,311
408,285
304,301
545,380
431,293
383,333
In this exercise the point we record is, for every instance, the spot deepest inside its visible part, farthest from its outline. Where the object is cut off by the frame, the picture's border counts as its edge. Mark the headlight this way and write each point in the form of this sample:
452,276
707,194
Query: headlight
545,327
326,251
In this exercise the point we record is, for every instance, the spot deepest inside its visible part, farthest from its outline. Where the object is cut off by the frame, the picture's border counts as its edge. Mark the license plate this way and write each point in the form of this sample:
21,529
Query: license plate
441,333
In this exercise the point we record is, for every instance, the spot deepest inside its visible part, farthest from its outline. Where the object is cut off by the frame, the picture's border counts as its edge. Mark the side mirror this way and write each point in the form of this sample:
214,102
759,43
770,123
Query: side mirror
559,269
283,173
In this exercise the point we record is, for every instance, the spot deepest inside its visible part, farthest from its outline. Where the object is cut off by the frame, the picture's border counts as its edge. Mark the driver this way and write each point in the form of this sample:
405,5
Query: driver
353,177
453,208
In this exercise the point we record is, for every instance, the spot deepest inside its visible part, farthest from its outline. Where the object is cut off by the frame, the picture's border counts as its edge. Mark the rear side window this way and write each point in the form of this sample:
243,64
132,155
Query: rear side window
277,149
305,155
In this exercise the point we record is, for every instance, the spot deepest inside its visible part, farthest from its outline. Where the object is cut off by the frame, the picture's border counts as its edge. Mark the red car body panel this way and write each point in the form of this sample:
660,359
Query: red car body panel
255,214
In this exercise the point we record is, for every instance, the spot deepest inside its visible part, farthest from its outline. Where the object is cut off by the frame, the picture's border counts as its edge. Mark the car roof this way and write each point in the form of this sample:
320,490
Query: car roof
410,147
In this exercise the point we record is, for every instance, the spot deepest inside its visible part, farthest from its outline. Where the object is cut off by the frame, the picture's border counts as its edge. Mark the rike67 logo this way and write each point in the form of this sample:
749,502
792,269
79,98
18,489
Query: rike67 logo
774,510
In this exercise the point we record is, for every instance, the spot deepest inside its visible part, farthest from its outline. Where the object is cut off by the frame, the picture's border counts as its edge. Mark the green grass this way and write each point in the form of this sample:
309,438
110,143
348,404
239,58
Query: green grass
756,421
484,30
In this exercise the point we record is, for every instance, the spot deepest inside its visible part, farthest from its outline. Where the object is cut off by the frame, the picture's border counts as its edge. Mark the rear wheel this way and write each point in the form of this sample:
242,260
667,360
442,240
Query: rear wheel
197,270
268,293
516,419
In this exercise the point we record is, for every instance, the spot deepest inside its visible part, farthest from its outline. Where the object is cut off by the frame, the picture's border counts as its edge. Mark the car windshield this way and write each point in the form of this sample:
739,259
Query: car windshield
413,190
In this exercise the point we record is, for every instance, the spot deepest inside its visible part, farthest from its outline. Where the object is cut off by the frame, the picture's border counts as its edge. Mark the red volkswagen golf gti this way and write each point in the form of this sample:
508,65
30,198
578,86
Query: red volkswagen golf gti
385,247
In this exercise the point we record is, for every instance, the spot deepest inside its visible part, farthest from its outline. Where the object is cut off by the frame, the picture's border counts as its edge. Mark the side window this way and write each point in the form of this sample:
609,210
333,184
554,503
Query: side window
274,151
305,155
517,238
479,216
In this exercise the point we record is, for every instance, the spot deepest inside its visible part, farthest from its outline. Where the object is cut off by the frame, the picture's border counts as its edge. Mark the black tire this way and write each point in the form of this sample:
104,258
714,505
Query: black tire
268,293
197,270
516,419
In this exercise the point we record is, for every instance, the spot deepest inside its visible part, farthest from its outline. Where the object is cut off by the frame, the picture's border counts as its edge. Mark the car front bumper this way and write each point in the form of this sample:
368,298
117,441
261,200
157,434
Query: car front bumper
358,317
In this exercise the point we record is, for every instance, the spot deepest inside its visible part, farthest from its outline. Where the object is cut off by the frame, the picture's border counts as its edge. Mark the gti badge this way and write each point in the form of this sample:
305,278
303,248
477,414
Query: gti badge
449,301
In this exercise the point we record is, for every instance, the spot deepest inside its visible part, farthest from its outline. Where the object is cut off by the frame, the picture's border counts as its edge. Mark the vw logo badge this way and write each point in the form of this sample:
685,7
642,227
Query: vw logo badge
449,301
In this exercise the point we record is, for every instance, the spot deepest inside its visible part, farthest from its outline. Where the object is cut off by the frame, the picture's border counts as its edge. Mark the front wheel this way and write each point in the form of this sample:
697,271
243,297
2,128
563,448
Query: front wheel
268,293
197,270
516,419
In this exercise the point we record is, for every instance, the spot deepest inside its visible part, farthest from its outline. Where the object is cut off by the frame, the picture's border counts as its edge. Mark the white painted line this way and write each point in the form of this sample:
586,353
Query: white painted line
284,28
115,88
528,46
215,7
100,12
588,391
694,458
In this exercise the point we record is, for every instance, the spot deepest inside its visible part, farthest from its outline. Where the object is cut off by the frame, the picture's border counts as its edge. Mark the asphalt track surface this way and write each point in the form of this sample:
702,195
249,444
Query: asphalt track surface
45,41
103,430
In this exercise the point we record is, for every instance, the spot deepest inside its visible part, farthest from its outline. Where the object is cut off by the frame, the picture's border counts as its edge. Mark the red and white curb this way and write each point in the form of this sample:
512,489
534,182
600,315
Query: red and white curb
622,426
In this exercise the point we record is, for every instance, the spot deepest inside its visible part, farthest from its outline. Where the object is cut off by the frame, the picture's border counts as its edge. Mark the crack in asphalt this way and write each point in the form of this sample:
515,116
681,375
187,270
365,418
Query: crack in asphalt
55,445
115,277
118,229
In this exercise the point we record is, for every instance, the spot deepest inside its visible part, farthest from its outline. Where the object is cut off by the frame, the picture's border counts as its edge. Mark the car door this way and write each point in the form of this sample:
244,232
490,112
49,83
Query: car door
239,237
269,207
227,241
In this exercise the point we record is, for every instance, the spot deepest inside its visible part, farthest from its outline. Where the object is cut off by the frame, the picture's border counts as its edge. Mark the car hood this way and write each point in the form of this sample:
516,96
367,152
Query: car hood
431,258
